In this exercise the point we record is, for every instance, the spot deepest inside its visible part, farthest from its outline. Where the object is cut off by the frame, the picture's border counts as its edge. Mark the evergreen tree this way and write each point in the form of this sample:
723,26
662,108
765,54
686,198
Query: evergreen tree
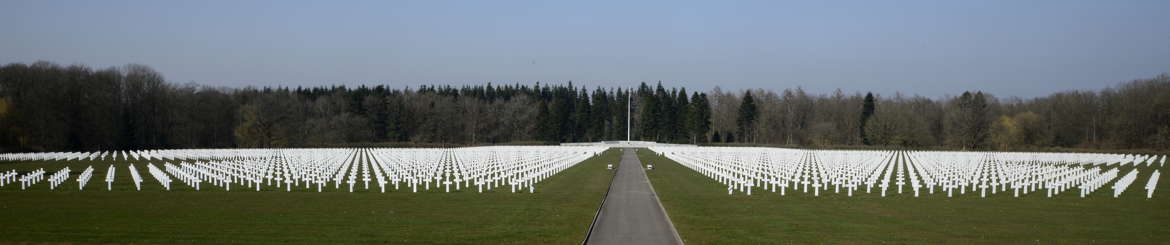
547,125
561,109
746,120
866,112
600,116
665,114
981,123
620,103
700,117
682,106
582,116
648,116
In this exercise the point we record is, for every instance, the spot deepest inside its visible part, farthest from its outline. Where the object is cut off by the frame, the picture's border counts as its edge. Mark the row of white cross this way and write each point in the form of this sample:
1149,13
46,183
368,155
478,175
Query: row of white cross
159,175
31,178
59,177
1096,181
777,169
7,177
225,154
1121,184
84,178
519,167
183,174
137,155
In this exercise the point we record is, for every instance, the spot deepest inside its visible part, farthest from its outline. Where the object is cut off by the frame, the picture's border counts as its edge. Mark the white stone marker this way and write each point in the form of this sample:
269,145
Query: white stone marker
1153,183
110,177
136,178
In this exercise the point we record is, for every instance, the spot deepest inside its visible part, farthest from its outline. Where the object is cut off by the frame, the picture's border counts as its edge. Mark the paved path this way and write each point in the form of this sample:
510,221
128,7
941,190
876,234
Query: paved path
631,213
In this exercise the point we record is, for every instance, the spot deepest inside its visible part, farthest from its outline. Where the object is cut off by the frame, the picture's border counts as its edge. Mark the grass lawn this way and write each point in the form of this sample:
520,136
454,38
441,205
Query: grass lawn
703,213
558,213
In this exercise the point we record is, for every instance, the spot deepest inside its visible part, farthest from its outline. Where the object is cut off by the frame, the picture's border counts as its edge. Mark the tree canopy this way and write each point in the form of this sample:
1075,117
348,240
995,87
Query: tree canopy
48,107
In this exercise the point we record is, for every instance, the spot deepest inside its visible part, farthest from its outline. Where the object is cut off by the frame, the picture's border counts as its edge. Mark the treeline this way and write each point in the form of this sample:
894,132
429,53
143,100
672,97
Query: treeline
47,107
1133,115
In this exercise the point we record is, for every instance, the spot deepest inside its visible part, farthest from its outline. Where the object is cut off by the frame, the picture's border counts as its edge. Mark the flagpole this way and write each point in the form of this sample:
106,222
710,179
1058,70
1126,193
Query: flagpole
629,107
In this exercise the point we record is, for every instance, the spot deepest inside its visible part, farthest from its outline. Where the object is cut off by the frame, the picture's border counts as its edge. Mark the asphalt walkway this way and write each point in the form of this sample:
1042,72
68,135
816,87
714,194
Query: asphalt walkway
631,213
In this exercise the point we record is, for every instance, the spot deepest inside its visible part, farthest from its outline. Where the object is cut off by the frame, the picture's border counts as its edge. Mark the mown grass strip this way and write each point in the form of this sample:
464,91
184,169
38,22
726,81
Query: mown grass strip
558,213
703,213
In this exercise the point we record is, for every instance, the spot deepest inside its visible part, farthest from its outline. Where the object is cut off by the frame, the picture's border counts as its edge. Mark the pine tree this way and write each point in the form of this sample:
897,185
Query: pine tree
647,106
683,108
746,120
665,114
620,109
700,120
866,112
981,125
546,130
581,116
600,116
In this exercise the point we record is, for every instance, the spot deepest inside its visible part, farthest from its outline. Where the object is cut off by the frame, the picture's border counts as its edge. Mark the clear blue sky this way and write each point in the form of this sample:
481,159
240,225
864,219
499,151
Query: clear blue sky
933,48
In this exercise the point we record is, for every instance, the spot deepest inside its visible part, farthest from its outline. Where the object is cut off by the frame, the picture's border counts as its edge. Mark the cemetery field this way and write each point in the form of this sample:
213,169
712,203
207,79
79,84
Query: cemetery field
559,212
704,213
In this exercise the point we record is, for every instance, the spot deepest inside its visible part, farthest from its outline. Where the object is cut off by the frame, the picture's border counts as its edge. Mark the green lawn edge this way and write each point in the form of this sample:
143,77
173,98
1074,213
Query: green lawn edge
703,213
558,213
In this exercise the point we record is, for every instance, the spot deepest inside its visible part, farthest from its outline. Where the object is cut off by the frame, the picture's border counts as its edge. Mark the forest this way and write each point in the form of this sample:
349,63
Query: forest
49,107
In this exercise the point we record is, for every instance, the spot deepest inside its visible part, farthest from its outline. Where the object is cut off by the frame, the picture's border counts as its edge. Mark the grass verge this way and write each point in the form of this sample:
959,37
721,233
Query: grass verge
703,213
558,213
